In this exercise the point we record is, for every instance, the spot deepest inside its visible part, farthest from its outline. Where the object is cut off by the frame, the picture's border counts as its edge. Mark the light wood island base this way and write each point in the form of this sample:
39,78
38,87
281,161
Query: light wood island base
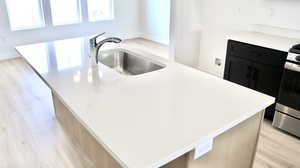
235,148
81,138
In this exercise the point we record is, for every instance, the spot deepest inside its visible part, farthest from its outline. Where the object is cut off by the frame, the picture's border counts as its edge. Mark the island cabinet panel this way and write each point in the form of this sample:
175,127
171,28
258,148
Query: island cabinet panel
234,148
255,67
263,75
83,140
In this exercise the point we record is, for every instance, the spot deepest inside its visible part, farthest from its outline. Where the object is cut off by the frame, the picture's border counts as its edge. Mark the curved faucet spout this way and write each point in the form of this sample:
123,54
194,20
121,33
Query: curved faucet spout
96,46
108,40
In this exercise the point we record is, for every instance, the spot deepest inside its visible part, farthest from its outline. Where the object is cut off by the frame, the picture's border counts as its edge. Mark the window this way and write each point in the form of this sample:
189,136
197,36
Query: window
29,14
25,14
65,11
100,10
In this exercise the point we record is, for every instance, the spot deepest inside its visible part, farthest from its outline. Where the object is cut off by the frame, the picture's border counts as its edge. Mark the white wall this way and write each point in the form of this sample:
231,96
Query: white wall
199,27
155,20
125,25
217,18
184,31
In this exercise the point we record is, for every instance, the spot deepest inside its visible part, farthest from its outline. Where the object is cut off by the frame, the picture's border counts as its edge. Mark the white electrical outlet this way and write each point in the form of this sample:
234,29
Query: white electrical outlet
218,62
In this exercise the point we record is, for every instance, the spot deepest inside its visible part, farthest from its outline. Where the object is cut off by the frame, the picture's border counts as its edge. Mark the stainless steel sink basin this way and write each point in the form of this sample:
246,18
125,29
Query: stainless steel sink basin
128,63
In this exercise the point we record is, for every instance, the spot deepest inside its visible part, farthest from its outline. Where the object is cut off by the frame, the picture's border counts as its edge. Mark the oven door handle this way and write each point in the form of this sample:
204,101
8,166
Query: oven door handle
292,66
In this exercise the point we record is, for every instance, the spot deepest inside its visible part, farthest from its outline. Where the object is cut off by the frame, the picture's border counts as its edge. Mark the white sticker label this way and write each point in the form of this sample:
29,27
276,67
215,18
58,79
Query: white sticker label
203,148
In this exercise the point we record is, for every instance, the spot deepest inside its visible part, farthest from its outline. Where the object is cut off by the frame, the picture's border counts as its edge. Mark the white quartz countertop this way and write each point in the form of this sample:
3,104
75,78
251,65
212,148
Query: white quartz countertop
264,40
148,120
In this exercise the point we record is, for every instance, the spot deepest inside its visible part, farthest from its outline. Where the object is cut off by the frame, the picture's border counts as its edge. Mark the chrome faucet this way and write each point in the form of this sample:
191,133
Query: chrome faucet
95,47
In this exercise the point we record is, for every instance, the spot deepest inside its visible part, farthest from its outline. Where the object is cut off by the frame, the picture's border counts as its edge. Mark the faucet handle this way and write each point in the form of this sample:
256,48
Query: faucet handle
93,41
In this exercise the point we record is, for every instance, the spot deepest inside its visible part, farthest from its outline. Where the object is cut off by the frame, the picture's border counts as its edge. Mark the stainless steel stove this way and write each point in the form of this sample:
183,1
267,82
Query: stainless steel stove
287,115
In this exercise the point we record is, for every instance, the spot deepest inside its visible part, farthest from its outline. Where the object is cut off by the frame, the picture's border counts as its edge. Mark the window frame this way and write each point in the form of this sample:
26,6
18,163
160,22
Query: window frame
41,13
108,19
79,14
47,20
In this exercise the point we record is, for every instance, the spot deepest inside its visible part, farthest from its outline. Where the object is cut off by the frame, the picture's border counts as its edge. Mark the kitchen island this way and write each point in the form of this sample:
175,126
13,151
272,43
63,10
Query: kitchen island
173,117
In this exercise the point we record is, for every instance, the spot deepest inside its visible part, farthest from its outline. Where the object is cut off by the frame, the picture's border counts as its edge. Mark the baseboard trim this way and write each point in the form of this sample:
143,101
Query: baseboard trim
154,38
8,55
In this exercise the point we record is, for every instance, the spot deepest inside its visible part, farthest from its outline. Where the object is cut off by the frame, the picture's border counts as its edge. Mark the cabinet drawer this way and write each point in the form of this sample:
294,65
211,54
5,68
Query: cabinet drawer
256,53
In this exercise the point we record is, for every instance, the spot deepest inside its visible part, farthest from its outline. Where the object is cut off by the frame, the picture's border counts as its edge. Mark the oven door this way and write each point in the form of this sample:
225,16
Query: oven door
289,94
287,115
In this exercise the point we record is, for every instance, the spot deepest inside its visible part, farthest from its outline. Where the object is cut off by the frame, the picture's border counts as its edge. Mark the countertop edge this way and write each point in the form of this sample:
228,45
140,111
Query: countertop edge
270,41
214,134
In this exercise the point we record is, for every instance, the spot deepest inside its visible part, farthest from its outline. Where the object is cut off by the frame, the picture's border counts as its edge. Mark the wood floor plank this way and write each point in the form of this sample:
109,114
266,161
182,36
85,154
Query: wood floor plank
277,149
30,135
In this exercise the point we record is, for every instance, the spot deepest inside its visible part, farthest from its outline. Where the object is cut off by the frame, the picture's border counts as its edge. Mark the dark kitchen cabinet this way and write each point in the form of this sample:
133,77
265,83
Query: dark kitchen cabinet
238,71
255,67
266,79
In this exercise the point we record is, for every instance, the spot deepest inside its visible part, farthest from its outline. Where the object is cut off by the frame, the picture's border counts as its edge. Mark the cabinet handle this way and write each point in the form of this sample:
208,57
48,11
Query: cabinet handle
231,47
248,75
255,74
255,77
294,86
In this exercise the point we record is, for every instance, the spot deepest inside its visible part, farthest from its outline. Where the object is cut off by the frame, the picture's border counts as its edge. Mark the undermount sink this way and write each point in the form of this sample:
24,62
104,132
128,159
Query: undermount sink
127,63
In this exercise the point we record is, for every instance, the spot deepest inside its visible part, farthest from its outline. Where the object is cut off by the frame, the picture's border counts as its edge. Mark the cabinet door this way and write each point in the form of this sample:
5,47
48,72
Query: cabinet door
238,70
266,79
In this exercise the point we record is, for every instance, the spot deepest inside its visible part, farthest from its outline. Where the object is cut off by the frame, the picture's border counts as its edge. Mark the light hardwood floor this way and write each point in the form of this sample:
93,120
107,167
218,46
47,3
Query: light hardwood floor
277,149
30,135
